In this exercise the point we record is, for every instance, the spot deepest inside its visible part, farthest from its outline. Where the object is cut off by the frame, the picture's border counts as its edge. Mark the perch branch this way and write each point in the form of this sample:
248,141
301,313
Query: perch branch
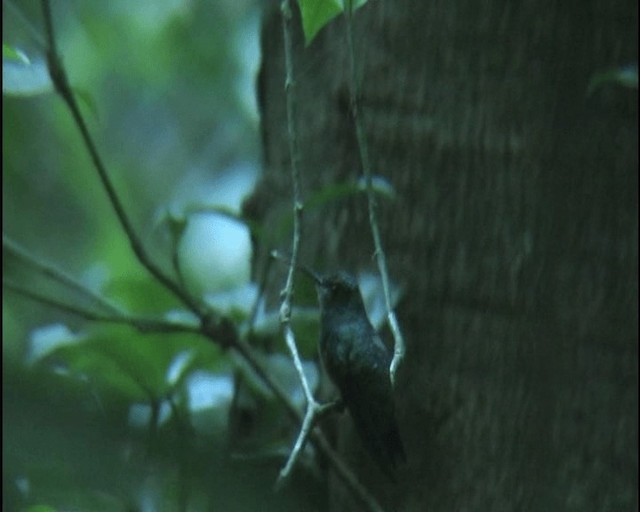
399,344
287,292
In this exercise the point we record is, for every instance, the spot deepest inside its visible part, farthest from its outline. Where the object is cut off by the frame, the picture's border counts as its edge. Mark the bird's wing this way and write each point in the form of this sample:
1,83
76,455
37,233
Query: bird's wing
369,397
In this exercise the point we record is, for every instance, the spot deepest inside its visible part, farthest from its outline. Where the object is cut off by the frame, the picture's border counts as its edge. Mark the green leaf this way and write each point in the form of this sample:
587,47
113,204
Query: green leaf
60,487
138,367
379,185
87,99
87,362
139,293
625,76
41,508
49,338
282,222
317,13
14,54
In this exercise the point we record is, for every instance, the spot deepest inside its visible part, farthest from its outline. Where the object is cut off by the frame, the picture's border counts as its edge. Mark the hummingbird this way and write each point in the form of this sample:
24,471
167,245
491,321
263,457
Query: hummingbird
357,361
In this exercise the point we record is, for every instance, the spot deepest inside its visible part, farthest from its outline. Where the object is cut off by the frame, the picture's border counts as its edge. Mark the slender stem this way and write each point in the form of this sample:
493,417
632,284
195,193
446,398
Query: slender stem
399,344
61,83
341,469
115,317
307,425
68,308
57,274
293,153
287,293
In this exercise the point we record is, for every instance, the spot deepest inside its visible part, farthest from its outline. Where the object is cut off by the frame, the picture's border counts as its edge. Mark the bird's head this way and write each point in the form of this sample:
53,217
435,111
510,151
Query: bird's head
338,290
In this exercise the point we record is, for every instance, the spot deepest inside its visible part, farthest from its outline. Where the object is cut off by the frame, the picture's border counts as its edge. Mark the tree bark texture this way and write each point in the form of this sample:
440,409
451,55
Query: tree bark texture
514,232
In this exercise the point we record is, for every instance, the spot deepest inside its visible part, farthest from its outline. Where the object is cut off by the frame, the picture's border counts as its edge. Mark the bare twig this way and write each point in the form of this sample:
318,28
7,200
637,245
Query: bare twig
57,274
115,317
293,155
341,469
399,345
61,82
287,293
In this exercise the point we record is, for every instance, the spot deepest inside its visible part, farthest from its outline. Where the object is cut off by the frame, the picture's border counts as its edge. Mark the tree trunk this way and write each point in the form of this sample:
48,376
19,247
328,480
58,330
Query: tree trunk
514,233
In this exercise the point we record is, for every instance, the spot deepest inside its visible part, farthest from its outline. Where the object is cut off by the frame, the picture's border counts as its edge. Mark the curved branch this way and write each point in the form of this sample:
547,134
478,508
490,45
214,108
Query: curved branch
115,317
399,344
57,274
61,82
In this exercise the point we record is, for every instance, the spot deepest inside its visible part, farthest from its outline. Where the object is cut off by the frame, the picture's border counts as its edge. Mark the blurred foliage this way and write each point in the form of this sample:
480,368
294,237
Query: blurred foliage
624,76
103,417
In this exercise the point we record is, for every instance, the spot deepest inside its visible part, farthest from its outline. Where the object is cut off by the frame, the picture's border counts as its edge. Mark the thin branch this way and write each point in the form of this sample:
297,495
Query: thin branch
142,324
287,293
312,415
308,423
342,470
313,407
37,37
294,156
57,274
399,344
67,308
59,77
